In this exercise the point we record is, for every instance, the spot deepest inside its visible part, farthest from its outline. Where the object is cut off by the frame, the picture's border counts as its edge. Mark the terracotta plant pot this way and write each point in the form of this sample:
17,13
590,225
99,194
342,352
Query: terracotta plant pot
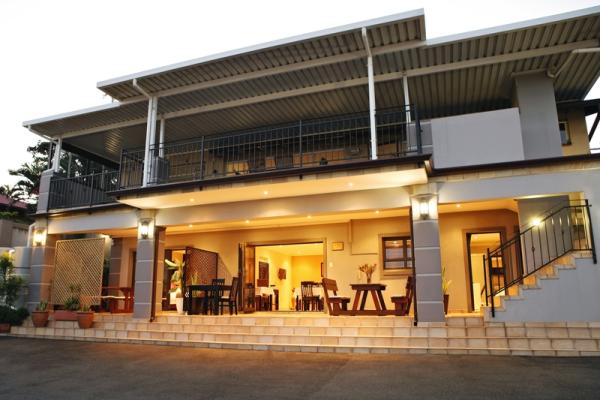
39,318
4,328
446,300
85,319
65,315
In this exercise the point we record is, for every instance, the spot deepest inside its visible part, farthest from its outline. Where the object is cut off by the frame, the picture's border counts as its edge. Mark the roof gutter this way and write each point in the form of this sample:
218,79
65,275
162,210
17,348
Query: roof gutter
140,89
554,74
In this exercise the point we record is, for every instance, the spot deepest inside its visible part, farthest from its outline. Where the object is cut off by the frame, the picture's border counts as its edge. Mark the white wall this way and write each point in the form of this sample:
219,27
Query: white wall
475,139
572,297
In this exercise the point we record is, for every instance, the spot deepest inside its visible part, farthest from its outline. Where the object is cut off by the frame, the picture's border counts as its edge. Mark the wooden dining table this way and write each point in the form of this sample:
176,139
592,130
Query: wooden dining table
363,289
207,289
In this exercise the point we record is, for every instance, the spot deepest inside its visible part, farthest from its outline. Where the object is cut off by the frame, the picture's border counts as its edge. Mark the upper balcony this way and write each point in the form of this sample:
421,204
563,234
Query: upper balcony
290,148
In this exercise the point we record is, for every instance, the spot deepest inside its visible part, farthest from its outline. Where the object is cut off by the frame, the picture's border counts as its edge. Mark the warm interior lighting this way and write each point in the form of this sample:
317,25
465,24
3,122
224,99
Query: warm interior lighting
192,200
458,206
376,211
39,237
536,221
266,192
247,221
190,225
309,216
350,184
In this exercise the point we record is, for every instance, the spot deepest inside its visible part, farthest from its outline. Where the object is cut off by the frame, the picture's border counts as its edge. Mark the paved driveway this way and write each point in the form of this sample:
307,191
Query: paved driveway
46,369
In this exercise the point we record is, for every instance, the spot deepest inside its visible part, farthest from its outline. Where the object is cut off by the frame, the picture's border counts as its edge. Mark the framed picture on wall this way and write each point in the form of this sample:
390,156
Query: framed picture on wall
337,246
263,274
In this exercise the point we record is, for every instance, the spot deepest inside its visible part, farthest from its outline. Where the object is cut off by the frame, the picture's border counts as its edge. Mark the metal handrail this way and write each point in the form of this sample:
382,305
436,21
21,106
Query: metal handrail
305,143
566,229
83,190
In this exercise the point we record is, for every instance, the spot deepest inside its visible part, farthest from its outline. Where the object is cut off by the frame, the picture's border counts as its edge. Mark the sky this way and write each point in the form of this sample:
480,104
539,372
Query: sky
52,53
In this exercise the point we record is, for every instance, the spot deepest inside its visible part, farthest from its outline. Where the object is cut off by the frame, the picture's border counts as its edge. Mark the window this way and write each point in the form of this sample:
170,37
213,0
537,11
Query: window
397,253
565,136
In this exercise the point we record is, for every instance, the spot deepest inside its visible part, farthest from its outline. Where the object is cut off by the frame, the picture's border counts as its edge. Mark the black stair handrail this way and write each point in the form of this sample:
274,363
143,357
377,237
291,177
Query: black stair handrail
561,230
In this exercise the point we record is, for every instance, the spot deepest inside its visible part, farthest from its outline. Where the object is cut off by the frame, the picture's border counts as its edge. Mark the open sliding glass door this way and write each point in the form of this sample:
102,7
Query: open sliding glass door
246,268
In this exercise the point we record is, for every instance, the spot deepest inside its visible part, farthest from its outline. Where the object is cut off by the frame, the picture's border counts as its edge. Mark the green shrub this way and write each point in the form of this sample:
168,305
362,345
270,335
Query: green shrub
15,317
10,284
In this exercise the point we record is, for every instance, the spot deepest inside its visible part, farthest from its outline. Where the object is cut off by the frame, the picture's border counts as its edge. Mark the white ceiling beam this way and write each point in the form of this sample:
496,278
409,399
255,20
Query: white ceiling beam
355,55
352,83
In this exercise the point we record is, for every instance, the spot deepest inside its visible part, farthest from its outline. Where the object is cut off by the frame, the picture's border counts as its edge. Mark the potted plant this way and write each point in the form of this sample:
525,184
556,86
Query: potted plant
445,285
40,315
85,317
71,305
176,289
10,286
10,316
368,270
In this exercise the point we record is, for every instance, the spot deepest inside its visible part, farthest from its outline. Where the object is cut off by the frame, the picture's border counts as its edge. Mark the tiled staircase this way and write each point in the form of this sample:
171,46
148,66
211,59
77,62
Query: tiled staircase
553,293
321,333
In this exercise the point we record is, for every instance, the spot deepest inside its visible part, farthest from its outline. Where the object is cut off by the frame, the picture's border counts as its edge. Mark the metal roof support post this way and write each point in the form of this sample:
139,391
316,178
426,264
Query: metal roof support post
406,99
161,138
57,151
150,137
371,82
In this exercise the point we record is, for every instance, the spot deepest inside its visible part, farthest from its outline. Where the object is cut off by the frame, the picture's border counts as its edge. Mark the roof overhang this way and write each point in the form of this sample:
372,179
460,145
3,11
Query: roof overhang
324,73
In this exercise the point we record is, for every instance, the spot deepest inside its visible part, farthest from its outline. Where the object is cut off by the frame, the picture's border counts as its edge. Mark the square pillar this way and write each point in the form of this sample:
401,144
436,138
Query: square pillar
41,270
148,267
426,251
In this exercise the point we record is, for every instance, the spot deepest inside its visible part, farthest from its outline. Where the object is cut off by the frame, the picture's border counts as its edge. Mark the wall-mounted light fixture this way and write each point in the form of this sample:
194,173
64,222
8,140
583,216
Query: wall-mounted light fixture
146,229
39,237
424,207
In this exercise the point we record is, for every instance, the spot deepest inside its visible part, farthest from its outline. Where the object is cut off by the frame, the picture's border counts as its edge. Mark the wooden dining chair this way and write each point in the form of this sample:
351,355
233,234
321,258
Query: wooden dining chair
309,300
402,303
215,294
231,299
335,304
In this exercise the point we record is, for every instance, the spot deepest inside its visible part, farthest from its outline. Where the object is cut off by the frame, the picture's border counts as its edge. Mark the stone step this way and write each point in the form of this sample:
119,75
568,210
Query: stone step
515,347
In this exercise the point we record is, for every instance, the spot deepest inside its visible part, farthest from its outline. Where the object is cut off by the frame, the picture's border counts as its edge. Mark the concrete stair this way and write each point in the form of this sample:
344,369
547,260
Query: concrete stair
542,295
345,334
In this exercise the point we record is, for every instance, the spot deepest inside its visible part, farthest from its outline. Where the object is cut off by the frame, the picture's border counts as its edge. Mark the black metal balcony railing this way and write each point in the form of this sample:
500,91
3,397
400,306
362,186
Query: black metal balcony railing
319,142
83,190
564,229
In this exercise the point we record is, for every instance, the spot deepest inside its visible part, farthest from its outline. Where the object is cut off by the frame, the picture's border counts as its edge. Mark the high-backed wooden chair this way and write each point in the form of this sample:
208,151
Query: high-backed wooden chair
231,299
335,304
310,302
402,303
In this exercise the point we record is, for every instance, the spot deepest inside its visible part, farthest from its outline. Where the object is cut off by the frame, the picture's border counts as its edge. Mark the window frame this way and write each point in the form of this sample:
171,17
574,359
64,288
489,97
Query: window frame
401,271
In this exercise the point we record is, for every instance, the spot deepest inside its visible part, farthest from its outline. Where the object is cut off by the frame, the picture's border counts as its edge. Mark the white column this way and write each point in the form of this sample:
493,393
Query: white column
150,137
161,139
371,81
57,151
406,98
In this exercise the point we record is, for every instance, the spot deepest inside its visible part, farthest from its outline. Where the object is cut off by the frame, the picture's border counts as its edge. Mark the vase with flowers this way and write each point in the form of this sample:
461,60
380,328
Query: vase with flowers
368,270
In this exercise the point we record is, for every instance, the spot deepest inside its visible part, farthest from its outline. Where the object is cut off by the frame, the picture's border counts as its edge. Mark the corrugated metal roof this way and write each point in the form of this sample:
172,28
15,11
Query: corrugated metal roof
325,73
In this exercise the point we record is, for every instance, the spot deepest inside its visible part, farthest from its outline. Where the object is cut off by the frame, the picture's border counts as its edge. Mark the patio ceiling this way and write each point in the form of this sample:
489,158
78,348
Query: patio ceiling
324,73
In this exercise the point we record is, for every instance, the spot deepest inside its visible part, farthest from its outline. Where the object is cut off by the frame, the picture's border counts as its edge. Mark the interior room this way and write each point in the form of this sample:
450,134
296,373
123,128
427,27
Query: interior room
280,269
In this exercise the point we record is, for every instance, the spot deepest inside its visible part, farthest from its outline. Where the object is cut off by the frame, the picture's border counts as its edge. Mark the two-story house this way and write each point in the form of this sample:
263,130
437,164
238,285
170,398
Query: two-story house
460,162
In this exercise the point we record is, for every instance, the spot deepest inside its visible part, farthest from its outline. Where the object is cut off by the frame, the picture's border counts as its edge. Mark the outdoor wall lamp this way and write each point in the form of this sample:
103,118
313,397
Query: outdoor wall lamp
39,237
145,229
424,207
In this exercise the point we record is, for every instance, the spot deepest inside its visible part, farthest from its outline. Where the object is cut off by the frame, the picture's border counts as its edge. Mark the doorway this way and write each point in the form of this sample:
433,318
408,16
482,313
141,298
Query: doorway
478,244
272,273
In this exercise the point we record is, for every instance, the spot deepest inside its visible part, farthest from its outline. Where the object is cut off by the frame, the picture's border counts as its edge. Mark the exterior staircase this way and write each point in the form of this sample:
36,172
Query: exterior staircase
560,291
466,334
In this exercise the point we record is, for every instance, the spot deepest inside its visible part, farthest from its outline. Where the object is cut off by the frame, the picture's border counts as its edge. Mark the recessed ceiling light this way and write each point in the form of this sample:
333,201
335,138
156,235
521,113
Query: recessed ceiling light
247,221
376,211
458,206
350,184
192,200
190,225
266,192
309,216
